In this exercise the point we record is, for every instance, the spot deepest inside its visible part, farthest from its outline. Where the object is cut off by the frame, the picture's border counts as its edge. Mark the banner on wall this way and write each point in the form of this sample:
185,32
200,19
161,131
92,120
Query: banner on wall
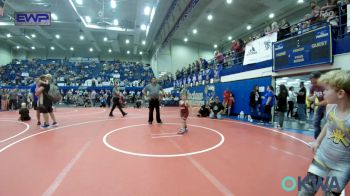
83,60
348,18
259,50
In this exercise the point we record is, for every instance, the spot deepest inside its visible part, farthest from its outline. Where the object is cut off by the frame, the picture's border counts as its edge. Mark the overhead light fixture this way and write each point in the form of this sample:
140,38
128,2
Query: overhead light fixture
54,16
91,49
18,47
105,39
27,37
82,37
141,53
71,48
215,45
110,50
147,10
128,52
8,35
271,15
185,39
33,48
127,41
228,1
88,19
52,48
194,31
113,4
116,22
143,42
249,27
229,38
58,36
33,36
300,1
79,2
143,27
210,17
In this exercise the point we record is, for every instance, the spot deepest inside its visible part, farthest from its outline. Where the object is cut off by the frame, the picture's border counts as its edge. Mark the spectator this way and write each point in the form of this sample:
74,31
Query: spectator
219,57
216,109
301,100
282,105
254,102
315,12
24,113
284,31
291,100
204,111
268,103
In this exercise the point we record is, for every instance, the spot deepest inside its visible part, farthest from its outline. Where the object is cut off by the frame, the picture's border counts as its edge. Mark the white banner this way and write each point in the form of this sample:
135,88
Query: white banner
83,60
24,74
348,18
259,50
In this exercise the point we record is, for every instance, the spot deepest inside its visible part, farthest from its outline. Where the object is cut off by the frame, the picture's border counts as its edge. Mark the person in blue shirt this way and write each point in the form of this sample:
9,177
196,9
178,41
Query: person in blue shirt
268,102
35,101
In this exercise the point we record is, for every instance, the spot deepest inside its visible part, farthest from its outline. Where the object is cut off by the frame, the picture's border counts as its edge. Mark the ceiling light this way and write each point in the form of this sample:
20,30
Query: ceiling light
33,36
141,53
147,10
229,38
271,15
210,17
71,48
249,27
186,39
105,39
113,4
27,37
82,37
215,45
228,1
194,31
128,52
33,48
91,49
116,22
127,41
110,50
8,35
52,48
300,1
143,42
18,47
58,36
143,27
79,2
54,16
88,19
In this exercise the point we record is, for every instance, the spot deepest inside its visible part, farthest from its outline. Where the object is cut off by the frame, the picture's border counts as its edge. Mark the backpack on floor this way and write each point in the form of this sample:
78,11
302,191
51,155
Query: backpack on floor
54,93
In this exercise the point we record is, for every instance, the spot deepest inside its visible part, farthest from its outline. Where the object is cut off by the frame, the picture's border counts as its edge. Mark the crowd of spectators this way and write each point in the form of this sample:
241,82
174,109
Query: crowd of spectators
22,73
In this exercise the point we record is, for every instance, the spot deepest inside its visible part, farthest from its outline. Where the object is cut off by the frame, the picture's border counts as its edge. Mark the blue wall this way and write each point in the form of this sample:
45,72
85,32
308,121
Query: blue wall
241,90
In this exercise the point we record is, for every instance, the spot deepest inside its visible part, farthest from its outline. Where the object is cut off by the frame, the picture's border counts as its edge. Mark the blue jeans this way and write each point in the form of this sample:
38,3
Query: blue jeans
301,111
212,115
254,112
319,114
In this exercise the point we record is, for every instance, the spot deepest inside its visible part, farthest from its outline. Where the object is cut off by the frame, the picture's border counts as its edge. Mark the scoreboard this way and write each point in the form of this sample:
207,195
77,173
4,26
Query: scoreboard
311,48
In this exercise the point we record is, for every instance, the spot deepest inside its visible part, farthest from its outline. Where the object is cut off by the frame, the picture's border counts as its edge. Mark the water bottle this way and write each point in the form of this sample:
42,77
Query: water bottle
241,114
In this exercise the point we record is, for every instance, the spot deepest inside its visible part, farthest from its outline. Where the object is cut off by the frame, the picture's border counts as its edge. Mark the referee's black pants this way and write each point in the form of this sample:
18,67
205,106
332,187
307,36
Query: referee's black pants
154,103
116,103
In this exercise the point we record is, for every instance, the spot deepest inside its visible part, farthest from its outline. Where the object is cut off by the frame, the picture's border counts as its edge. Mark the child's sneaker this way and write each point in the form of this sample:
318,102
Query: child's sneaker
54,124
182,131
45,126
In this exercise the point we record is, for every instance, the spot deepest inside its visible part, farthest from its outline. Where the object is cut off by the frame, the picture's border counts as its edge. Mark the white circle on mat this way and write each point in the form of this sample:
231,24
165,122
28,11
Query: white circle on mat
105,137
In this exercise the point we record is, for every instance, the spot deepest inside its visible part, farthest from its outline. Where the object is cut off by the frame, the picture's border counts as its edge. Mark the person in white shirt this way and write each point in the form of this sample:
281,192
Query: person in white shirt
291,100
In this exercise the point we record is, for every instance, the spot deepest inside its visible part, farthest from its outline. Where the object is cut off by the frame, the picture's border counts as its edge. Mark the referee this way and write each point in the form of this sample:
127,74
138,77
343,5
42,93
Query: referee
151,91
116,101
